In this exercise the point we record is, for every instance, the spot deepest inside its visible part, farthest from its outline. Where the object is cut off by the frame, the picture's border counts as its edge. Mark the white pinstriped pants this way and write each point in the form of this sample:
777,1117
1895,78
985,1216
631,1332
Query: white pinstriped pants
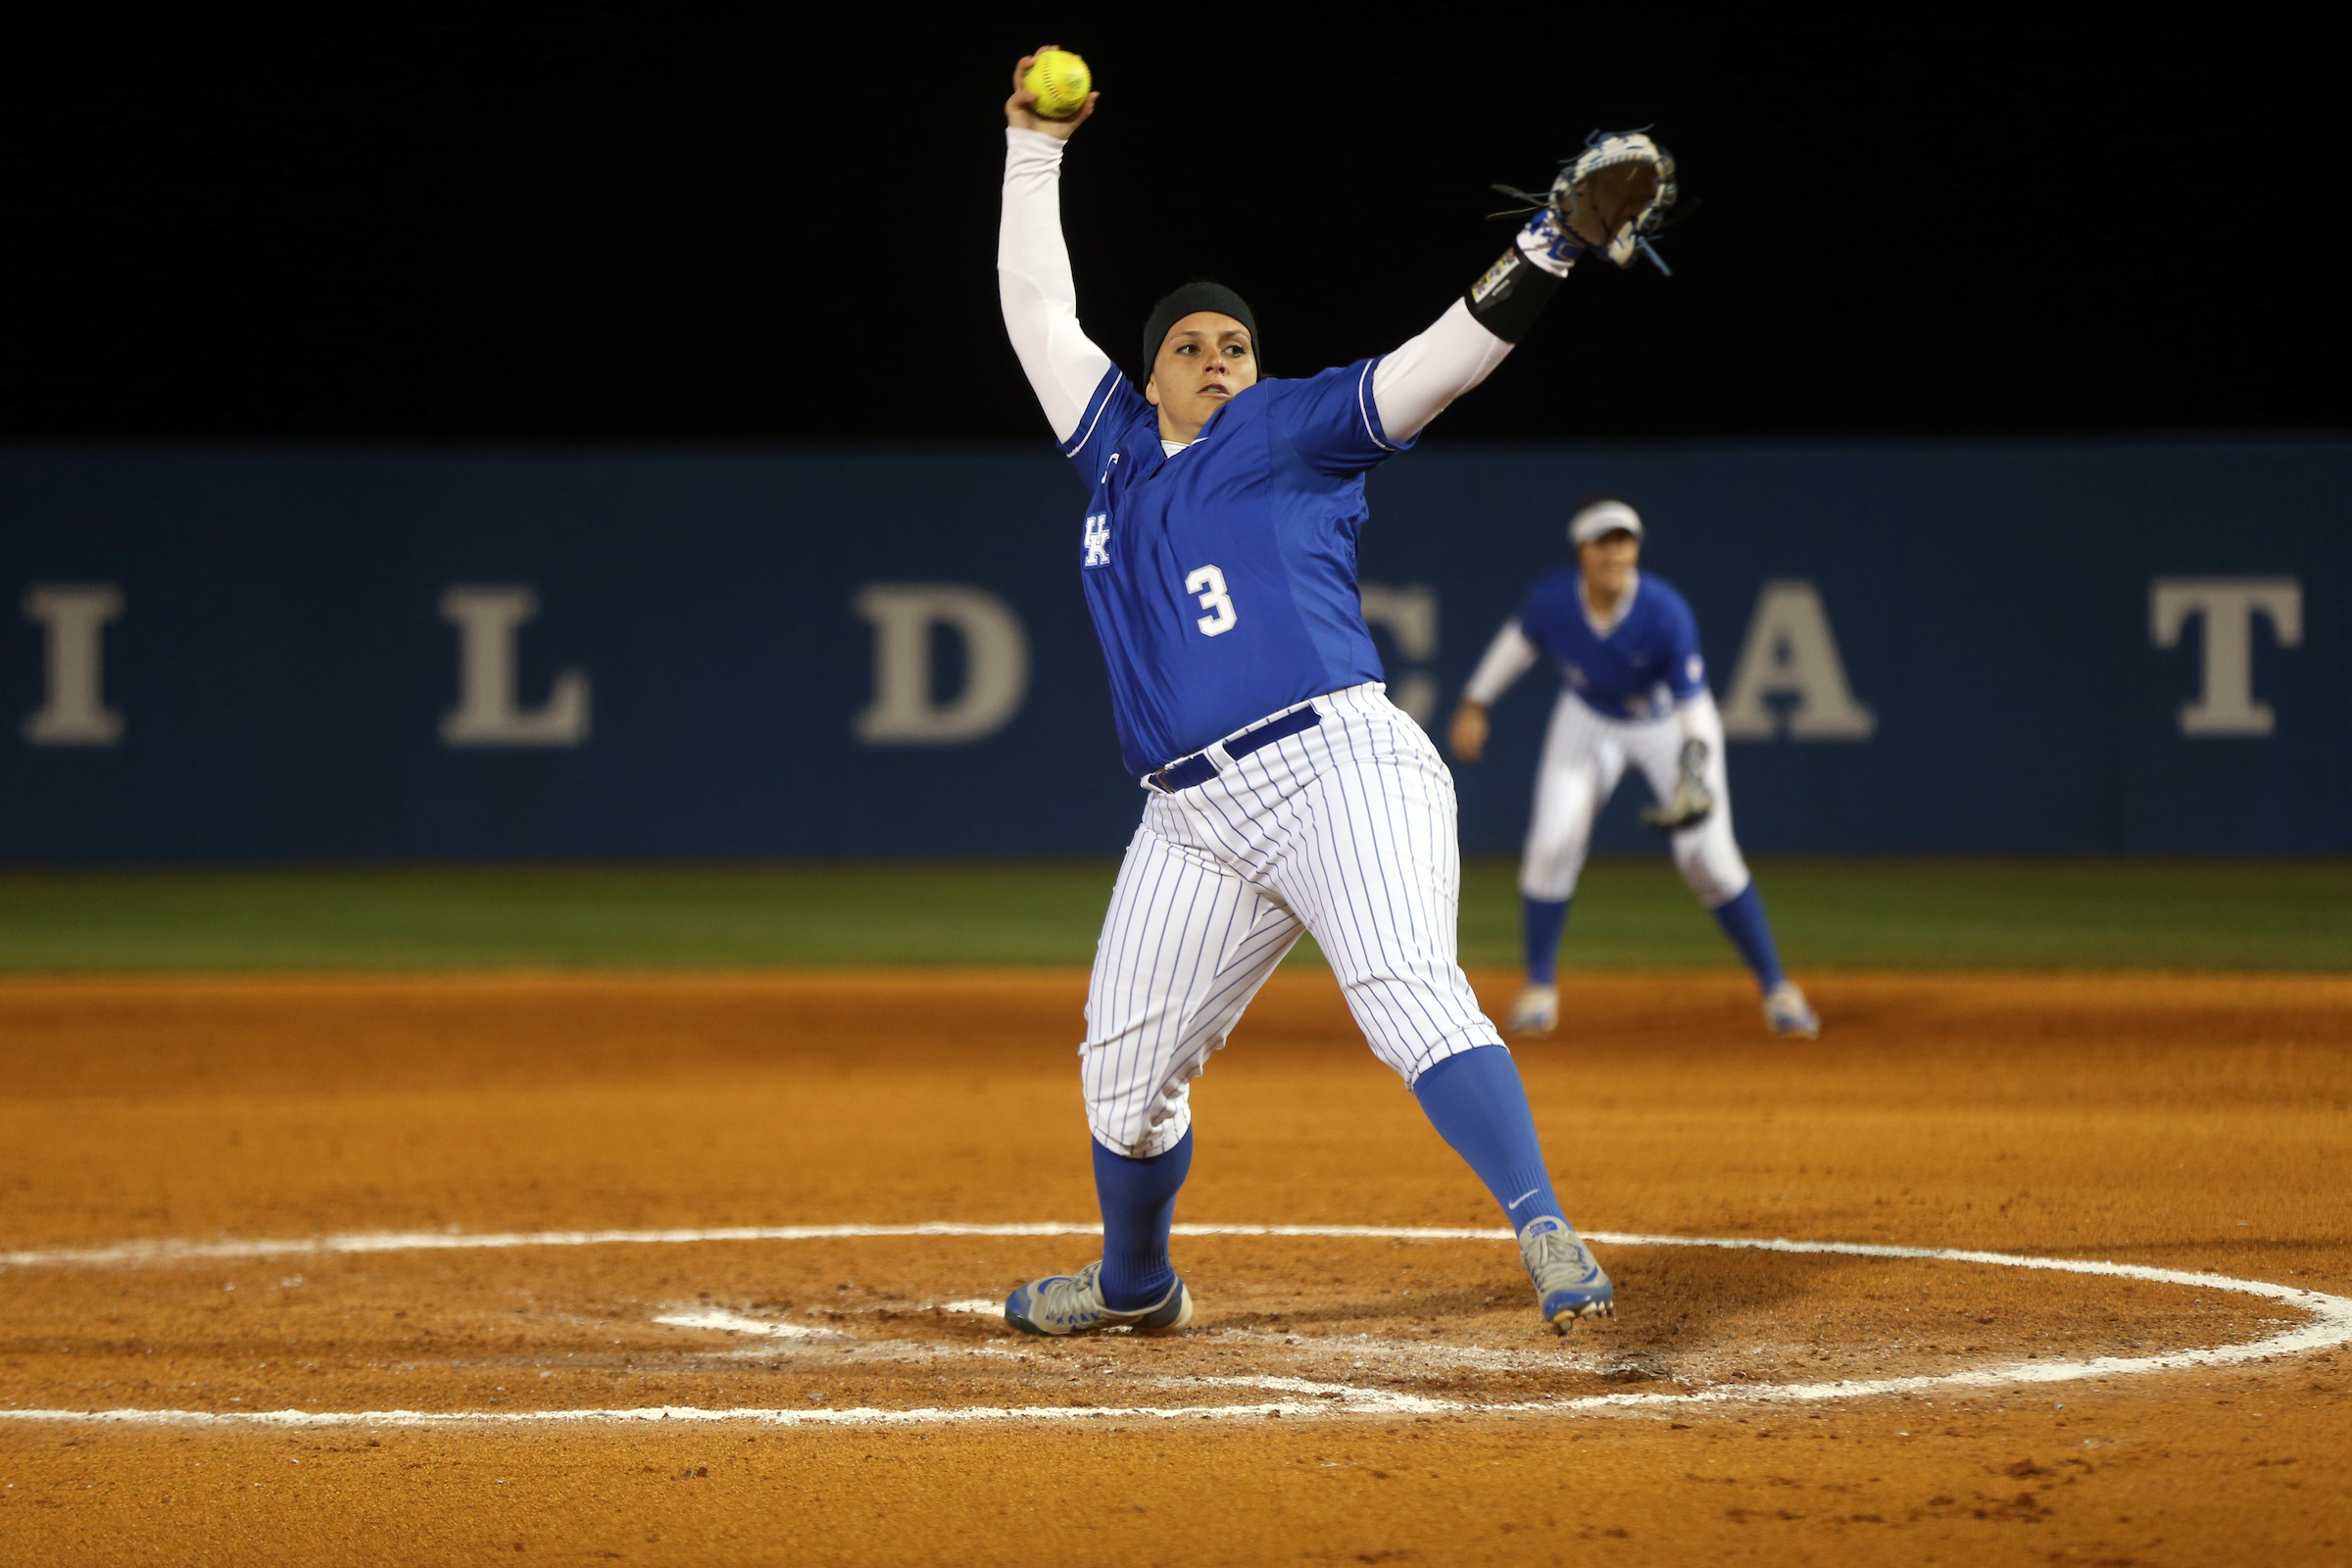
1345,830
1585,755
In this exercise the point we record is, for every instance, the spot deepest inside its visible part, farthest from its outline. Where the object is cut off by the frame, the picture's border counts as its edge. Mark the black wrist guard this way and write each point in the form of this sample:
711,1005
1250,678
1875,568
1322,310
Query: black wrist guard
1513,294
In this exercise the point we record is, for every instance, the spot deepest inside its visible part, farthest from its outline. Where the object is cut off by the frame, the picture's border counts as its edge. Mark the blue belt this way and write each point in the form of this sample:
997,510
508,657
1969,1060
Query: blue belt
1199,769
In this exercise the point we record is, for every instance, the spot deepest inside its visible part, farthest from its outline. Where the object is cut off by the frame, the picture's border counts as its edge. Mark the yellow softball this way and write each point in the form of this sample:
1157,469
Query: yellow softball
1060,80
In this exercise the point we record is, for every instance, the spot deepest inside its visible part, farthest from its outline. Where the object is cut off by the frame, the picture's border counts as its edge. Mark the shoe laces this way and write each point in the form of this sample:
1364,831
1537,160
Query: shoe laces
1071,1299
1558,1261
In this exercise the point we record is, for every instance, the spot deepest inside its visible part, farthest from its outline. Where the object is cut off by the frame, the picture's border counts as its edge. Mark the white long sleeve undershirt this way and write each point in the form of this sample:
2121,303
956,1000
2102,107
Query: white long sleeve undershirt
1035,287
1414,382
1411,386
1702,720
1511,655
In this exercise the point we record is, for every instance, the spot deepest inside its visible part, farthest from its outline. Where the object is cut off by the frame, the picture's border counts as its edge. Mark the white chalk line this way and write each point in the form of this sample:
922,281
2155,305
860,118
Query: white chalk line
720,1317
172,1251
2330,1325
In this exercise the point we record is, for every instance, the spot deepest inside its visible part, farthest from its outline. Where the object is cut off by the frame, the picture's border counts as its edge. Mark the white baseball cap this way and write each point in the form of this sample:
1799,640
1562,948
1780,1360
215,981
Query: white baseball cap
1603,517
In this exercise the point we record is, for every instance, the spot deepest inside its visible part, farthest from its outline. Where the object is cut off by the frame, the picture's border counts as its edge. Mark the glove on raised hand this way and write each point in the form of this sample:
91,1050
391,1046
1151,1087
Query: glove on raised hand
1610,198
1614,195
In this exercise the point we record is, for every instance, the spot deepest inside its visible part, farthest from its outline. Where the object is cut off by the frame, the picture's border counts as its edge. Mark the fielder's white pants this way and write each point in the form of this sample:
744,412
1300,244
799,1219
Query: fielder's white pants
1345,830
1585,755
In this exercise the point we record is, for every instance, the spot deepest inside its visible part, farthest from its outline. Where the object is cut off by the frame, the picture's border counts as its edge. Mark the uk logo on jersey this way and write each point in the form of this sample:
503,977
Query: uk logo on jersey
1098,541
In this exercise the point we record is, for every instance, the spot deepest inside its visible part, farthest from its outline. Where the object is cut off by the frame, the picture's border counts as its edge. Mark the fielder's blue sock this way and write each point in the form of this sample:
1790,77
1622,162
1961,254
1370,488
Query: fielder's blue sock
1543,920
1478,1104
1138,1203
1742,920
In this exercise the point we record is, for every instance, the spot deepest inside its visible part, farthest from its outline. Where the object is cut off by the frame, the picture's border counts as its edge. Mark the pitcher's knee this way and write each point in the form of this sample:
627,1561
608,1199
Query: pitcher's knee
1141,1128
1445,1048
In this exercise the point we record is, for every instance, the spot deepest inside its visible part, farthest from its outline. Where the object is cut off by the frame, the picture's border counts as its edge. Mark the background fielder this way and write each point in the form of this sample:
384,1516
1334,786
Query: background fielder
1632,690
1286,795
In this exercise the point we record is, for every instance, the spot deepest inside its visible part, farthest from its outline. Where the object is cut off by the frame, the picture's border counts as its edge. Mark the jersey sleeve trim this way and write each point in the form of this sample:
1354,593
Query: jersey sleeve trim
1369,407
1105,390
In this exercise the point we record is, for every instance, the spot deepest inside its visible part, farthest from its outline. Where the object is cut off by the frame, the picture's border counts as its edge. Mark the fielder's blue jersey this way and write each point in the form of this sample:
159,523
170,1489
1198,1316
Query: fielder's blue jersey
1648,660
1222,580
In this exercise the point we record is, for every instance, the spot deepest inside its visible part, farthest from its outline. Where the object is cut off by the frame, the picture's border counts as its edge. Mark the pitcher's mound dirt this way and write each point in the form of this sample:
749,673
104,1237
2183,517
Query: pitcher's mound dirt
2177,1122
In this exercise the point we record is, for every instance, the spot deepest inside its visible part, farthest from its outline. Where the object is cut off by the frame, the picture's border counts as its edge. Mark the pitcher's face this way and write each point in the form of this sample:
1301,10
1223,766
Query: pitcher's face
1203,361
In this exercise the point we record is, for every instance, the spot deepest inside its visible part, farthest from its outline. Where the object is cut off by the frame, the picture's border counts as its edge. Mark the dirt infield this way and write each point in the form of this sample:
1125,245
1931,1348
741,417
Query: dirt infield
837,1392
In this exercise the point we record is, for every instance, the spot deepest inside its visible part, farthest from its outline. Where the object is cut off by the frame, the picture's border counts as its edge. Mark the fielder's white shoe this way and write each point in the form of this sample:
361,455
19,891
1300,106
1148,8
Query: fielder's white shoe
1536,1012
1787,1012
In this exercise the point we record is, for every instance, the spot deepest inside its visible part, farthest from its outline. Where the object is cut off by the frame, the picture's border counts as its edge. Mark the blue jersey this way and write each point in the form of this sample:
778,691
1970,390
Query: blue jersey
1645,664
1222,579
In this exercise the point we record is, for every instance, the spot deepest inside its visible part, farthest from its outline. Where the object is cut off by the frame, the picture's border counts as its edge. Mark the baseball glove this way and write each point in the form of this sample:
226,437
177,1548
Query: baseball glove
1612,196
1692,800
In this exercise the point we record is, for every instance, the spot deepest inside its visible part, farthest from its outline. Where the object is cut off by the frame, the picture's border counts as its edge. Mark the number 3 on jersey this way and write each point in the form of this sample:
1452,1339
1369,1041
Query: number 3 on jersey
1208,582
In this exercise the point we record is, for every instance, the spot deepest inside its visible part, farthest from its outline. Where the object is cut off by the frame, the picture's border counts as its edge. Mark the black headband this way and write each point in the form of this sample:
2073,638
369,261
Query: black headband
1184,302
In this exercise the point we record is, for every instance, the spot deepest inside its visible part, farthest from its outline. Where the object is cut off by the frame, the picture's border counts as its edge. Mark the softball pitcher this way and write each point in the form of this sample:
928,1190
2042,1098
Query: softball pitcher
1285,794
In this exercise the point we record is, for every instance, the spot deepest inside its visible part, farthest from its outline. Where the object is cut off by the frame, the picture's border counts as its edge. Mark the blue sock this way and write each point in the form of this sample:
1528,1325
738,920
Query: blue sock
1742,920
1138,1203
1543,920
1478,1104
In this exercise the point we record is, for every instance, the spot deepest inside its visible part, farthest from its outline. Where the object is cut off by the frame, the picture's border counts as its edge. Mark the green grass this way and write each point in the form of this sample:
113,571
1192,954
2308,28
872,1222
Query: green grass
2185,915
1948,915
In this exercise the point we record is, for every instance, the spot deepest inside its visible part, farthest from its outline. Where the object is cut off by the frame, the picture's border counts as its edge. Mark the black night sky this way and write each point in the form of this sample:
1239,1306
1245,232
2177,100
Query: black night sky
540,225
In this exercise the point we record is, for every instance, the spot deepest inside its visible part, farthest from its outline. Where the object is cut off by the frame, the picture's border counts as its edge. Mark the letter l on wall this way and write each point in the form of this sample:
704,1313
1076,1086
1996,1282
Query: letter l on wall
489,711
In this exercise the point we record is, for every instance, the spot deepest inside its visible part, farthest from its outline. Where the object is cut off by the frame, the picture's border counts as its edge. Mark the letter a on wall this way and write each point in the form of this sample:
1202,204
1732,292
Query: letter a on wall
1792,654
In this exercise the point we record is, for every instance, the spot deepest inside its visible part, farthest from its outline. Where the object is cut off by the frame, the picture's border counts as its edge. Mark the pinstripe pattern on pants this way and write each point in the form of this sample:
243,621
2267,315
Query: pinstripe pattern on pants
1345,830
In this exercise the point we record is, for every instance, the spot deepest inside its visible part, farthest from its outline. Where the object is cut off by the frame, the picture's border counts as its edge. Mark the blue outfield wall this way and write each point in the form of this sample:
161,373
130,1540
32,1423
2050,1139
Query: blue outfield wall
2085,647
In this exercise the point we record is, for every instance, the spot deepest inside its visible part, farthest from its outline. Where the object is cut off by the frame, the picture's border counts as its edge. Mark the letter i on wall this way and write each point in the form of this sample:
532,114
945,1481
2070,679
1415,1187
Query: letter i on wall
74,616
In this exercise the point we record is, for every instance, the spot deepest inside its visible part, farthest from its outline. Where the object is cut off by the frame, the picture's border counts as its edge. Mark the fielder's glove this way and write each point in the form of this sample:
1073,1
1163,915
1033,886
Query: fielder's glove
1692,800
1611,197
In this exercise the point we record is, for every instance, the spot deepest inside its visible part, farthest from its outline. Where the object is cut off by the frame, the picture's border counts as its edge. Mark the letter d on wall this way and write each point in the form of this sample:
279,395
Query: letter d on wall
905,712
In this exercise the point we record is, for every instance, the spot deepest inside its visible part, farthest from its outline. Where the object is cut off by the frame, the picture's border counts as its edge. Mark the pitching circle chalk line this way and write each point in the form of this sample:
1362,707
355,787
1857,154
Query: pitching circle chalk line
2329,1324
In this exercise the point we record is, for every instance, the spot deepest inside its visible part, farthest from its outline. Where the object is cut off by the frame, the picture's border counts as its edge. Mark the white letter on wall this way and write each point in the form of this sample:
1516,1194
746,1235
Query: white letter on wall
1410,613
905,712
2226,704
74,711
489,712
1790,652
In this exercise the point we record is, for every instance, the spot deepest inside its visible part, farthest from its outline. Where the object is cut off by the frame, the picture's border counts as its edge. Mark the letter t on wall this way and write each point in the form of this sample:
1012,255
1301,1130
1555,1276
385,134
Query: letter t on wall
74,711
2224,704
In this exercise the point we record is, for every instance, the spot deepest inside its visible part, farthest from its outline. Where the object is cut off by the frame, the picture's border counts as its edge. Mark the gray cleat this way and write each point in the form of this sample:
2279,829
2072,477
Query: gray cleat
1787,1012
1073,1303
1569,1284
1536,1012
